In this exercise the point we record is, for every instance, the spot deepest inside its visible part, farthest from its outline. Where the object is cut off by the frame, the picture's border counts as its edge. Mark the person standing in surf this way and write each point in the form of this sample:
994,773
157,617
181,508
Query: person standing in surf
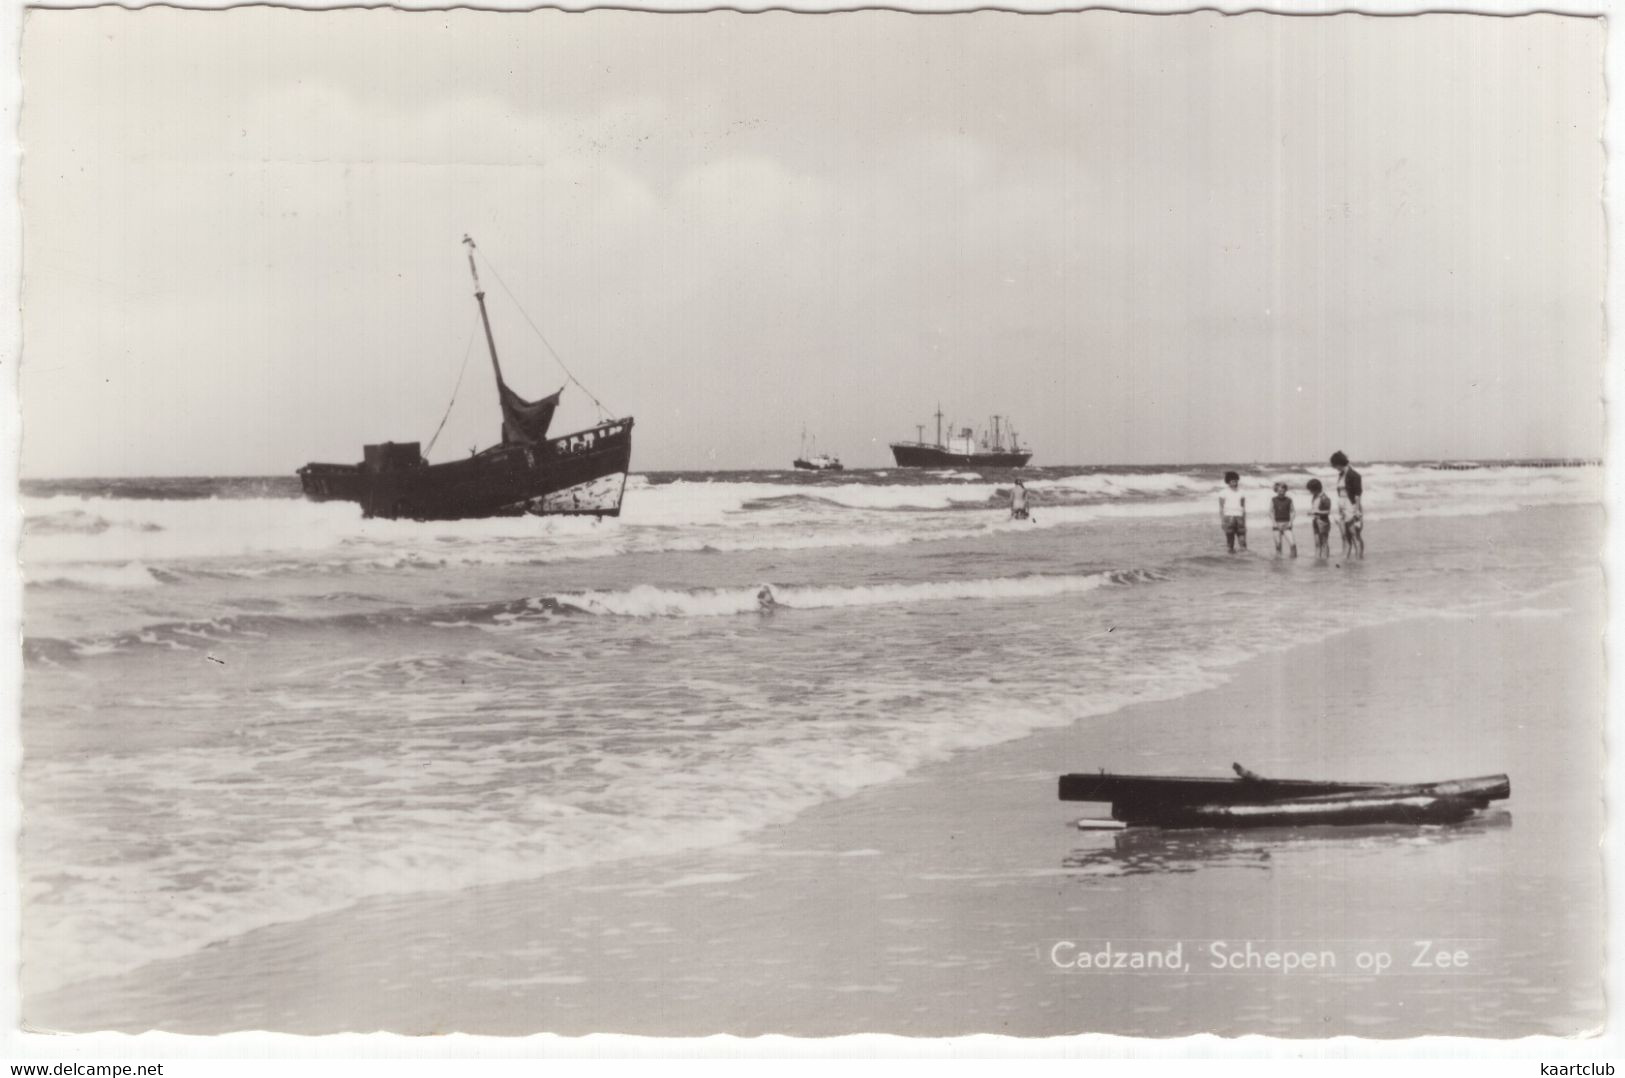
1282,514
1018,501
1233,512
1350,507
1320,518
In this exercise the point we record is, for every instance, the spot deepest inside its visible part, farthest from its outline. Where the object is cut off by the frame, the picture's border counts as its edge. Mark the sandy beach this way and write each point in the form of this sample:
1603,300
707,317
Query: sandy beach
933,905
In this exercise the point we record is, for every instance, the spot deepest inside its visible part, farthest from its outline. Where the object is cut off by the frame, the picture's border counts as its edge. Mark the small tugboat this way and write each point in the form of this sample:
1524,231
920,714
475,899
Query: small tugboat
526,472
818,462
963,450
1250,800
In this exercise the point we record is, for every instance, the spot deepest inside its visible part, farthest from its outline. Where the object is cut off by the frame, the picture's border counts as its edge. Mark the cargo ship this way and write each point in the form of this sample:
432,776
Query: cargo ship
964,449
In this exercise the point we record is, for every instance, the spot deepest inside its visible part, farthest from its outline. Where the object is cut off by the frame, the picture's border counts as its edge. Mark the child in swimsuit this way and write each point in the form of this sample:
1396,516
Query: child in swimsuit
1283,512
1320,518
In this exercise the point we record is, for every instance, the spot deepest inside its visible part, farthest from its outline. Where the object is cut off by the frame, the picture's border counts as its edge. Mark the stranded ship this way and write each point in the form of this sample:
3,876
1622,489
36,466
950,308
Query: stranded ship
528,471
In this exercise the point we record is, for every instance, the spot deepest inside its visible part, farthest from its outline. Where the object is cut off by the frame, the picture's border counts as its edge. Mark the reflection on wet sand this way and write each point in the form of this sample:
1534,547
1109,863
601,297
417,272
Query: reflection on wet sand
1143,850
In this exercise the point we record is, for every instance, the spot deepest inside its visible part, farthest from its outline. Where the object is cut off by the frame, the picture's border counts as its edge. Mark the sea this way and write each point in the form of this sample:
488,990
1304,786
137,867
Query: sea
242,708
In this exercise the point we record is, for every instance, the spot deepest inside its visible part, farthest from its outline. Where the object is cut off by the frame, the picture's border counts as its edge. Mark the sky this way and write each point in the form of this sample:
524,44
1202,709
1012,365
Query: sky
1146,239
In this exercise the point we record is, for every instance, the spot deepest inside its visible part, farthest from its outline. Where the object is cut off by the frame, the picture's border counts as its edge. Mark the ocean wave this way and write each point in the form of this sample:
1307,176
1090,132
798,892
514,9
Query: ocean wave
202,635
120,576
92,542
644,601
1133,484
67,522
647,601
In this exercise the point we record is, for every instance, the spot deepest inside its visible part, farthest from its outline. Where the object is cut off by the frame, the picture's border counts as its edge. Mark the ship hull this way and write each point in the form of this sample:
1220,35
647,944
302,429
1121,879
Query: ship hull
819,466
570,475
1178,801
917,455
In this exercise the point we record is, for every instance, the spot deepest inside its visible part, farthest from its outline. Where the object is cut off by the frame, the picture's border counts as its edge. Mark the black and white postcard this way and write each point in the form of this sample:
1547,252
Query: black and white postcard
868,522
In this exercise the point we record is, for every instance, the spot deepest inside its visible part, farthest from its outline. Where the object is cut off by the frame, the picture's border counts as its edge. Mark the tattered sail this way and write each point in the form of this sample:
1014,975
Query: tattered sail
525,422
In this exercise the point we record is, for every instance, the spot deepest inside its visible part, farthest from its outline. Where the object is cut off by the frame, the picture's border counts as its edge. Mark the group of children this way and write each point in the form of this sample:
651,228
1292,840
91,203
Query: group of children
1283,513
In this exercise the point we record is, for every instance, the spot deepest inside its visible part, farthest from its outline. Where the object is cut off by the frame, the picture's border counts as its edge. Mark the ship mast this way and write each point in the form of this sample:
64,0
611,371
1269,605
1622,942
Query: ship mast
939,424
485,319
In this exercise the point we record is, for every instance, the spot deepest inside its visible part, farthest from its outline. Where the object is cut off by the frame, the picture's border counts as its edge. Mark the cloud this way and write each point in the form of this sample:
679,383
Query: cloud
1147,238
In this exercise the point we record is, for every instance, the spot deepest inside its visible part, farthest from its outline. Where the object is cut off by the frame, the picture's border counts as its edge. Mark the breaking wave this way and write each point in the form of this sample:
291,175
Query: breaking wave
643,601
646,601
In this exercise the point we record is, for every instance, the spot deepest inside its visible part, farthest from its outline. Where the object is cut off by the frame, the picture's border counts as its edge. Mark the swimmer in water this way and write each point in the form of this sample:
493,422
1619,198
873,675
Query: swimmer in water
765,601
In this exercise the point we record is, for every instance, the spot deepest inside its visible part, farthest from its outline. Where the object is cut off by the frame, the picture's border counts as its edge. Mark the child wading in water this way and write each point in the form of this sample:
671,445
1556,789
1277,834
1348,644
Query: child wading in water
1233,512
1320,517
1283,513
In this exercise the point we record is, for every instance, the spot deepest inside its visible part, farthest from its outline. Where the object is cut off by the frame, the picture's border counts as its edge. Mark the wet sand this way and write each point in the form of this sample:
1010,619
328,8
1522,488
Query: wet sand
933,905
